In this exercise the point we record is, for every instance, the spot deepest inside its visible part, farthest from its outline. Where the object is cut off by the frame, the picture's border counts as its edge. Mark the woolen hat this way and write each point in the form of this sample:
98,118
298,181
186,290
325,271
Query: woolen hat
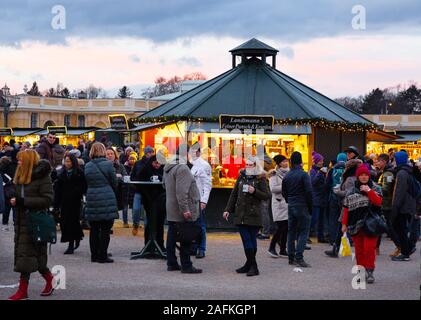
317,157
362,169
401,158
148,149
341,157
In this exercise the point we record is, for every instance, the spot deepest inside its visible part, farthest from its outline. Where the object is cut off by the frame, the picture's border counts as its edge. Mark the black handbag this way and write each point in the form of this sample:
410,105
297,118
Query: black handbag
9,187
187,232
375,224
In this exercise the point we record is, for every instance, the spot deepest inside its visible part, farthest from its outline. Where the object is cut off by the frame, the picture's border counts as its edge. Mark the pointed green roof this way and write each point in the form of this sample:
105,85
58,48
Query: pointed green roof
255,88
253,45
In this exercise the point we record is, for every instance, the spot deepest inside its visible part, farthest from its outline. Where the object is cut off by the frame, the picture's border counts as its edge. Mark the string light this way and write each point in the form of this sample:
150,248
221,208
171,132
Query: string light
315,122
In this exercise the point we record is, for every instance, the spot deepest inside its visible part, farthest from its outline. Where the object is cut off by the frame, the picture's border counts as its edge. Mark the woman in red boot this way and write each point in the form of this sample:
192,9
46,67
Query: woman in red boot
34,190
359,201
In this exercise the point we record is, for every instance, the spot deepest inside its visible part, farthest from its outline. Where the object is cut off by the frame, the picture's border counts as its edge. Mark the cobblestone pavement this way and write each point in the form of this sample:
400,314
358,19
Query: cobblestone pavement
148,279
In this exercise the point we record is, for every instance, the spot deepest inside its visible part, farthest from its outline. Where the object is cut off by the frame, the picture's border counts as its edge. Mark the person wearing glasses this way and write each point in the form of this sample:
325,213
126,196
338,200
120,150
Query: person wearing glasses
50,150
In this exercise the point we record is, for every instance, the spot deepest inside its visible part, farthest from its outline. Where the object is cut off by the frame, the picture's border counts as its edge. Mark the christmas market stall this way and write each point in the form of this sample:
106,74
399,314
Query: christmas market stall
69,135
252,108
19,135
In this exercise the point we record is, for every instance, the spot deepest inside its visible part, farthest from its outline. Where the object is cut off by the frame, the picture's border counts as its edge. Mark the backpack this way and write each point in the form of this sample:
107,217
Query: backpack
415,189
337,176
416,193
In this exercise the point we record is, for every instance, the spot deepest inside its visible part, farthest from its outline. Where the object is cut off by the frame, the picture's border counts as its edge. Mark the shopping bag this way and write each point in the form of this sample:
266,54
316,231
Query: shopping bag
345,248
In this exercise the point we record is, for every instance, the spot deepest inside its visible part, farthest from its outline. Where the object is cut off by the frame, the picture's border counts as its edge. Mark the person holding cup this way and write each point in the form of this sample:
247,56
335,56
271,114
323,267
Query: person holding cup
250,190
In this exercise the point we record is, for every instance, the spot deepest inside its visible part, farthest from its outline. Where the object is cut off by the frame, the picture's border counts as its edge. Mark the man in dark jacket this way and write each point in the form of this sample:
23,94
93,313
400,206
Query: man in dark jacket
51,151
403,204
386,180
153,197
135,175
297,192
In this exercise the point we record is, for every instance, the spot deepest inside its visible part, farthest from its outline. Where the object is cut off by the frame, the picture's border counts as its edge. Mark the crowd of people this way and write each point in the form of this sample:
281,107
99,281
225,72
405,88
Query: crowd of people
87,184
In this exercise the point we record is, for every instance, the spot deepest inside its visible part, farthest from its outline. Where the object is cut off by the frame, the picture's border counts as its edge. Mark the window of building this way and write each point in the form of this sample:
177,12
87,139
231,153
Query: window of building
67,120
81,121
34,120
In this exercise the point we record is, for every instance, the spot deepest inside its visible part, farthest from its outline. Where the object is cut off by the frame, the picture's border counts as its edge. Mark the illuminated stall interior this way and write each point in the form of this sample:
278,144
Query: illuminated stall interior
73,135
167,138
22,135
411,142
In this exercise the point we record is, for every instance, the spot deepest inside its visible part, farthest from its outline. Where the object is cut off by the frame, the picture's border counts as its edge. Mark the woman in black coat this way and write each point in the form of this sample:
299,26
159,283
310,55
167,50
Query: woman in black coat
68,192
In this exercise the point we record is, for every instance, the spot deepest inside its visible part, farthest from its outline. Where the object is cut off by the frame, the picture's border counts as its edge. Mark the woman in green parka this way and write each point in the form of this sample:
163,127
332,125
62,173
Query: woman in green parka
34,190
245,201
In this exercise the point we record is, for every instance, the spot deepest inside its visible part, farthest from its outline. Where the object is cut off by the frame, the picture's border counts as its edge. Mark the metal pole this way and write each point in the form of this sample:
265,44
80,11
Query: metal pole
6,113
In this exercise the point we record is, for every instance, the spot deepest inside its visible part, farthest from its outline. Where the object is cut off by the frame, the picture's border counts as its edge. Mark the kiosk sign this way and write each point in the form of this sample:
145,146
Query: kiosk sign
118,122
245,122
57,130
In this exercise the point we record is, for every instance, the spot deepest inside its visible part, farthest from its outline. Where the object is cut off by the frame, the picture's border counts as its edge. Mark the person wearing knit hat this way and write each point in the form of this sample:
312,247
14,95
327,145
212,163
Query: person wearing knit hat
148,150
404,204
401,158
341,157
317,158
365,198
318,179
297,192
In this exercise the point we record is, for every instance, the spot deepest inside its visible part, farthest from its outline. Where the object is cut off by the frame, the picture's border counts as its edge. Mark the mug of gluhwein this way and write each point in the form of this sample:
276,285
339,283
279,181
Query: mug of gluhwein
155,179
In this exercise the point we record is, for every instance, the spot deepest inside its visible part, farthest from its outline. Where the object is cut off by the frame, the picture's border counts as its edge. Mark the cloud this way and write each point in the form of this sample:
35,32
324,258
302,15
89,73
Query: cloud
134,58
189,61
287,52
158,21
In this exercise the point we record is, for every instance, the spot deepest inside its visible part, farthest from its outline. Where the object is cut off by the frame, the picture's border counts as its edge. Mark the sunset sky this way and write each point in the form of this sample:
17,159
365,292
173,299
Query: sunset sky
115,43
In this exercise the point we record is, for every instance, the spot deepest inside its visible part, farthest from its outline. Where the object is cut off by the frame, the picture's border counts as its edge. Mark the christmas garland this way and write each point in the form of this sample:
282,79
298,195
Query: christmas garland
315,122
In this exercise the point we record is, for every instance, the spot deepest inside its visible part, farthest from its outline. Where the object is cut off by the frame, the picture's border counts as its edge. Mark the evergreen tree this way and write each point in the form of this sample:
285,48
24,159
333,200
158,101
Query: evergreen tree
124,92
34,90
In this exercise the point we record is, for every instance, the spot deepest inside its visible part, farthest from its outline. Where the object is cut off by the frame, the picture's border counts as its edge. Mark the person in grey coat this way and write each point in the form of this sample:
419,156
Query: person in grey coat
182,204
101,204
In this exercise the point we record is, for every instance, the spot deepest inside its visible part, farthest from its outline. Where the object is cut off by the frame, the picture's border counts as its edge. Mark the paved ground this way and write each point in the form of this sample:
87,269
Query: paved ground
148,279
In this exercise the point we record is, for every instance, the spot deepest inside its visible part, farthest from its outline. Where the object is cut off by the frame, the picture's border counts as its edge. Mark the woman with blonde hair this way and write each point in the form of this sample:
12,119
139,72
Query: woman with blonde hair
101,203
245,201
34,191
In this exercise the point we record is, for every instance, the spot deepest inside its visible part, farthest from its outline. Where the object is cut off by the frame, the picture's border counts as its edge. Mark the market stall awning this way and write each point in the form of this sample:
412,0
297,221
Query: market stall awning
72,131
147,126
382,136
17,132
277,129
409,137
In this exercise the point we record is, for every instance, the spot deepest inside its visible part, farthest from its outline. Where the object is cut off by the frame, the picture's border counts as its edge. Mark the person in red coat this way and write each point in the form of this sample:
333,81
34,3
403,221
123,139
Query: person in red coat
366,196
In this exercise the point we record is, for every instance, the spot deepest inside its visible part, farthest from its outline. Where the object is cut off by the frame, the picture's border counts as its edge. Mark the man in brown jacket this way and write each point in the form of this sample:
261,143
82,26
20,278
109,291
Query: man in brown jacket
183,204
